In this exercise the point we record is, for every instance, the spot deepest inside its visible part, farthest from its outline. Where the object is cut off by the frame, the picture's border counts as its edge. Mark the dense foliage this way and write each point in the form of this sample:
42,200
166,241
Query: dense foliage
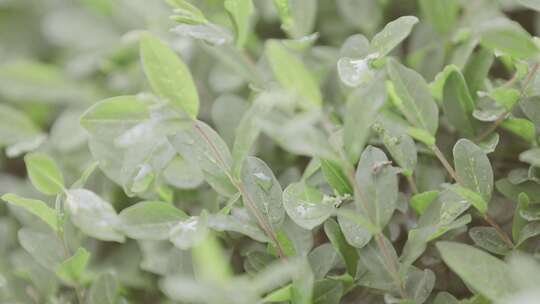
285,151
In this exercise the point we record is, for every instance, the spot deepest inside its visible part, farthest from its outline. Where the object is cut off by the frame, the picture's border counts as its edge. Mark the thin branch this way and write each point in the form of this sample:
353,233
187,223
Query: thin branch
445,163
455,177
240,186
412,184
500,231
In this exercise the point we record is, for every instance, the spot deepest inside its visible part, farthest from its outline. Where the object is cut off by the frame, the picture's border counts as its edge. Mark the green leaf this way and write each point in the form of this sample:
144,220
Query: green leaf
322,259
531,108
483,272
280,295
474,198
240,12
334,175
401,147
36,207
185,12
356,235
263,194
380,265
441,14
531,157
306,205
150,220
94,216
112,117
327,292
44,173
489,239
506,97
476,70
417,104
458,105
292,74
512,191
169,77
302,286
392,34
203,146
421,201
437,85
521,127
346,251
363,105
72,270
248,130
504,35
419,284
26,80
422,136
379,186
529,231
473,168
518,222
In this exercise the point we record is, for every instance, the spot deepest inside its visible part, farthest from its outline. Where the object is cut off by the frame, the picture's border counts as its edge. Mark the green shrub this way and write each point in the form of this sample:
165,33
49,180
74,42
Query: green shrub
239,151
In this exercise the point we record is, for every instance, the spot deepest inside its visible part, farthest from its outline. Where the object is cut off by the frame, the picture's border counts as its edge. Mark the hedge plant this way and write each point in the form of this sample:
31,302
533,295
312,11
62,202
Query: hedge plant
285,151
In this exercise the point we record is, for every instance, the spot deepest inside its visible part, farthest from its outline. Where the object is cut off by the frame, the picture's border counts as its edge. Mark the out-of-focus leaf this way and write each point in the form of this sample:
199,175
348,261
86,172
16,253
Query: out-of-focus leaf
532,4
72,270
190,232
503,35
240,11
441,14
15,126
293,75
485,273
44,247
363,106
104,290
